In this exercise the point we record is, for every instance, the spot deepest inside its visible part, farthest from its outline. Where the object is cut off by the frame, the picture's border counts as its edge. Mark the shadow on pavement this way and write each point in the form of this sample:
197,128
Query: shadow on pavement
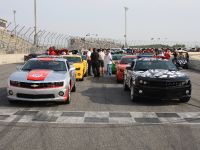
115,95
103,80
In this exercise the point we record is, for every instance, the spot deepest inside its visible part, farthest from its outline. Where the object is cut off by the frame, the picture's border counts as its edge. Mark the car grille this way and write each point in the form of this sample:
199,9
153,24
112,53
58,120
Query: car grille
36,85
165,84
39,96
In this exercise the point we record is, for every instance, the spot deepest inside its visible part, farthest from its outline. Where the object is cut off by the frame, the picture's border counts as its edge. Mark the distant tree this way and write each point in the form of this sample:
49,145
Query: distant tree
178,46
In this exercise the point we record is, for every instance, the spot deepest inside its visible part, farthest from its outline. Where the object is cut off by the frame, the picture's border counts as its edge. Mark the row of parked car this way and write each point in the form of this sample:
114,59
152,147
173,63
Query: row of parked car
47,78
53,78
148,77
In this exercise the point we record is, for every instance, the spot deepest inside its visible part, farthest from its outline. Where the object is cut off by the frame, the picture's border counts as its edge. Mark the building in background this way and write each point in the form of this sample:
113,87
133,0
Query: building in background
3,24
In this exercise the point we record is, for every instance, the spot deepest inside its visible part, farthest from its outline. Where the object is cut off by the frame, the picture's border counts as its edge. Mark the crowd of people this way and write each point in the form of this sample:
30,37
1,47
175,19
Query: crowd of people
98,59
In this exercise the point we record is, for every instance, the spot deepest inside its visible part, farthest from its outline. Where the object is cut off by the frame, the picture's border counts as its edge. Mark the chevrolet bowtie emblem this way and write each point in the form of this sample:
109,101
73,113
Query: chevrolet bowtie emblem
36,75
34,85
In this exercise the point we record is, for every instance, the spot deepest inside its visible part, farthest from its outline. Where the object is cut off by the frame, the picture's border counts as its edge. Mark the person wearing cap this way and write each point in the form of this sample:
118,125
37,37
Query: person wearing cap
89,61
108,61
167,54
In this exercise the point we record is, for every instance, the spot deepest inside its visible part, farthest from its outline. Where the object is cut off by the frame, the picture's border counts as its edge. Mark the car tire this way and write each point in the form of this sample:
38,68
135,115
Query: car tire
133,97
184,99
69,97
12,101
86,74
125,86
118,81
82,79
74,87
186,66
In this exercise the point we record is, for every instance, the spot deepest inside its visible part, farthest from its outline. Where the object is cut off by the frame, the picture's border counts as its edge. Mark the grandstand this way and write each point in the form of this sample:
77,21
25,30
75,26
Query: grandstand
11,43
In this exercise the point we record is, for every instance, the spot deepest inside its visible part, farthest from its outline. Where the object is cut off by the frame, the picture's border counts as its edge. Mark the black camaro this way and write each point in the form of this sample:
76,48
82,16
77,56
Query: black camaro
156,78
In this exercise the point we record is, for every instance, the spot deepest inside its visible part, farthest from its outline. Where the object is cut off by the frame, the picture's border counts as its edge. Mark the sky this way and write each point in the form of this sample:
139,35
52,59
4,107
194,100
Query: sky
173,20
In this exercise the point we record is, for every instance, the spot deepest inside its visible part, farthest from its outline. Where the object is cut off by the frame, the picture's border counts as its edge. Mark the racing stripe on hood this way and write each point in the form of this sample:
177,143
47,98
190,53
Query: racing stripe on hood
38,75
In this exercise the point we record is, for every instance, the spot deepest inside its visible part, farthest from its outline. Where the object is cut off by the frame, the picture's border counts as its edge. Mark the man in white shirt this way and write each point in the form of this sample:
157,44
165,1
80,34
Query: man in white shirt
89,61
108,61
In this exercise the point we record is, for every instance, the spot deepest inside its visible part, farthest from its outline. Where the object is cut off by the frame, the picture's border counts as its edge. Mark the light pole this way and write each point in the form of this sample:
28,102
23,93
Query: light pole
35,17
125,34
14,12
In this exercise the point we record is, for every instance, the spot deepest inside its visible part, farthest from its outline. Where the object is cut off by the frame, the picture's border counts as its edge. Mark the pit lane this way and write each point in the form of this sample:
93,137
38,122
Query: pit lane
31,128
103,94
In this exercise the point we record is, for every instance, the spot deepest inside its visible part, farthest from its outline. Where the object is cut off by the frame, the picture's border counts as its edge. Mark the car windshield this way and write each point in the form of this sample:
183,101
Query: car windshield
41,64
126,60
73,59
117,57
182,55
84,57
147,53
146,65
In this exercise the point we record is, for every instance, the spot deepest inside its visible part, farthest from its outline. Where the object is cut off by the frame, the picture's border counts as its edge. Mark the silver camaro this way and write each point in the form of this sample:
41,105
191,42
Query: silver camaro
42,79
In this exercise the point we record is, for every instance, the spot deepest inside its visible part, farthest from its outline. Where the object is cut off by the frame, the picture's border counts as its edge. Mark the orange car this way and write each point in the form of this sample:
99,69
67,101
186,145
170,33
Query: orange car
124,62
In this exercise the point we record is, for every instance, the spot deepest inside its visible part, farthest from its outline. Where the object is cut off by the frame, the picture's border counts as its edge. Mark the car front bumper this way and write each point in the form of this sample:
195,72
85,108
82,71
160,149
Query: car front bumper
120,75
47,94
162,93
79,74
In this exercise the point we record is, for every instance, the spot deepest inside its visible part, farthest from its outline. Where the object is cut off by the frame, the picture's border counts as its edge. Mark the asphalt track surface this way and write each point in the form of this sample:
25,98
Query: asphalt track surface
100,116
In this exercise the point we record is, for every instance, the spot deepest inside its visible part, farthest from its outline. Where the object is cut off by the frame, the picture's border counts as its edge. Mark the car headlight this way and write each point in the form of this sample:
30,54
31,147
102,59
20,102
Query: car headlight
14,83
142,82
55,84
145,82
186,82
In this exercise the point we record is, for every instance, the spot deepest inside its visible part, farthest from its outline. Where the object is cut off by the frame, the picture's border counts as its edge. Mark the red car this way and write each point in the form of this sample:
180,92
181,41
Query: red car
124,62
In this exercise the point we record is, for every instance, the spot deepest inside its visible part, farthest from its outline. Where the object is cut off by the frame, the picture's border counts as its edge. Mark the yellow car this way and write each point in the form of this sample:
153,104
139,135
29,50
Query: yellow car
79,64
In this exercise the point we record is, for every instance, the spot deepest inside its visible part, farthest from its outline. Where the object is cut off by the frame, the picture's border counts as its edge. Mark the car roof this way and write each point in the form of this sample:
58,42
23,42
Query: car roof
71,56
118,55
152,59
129,56
49,59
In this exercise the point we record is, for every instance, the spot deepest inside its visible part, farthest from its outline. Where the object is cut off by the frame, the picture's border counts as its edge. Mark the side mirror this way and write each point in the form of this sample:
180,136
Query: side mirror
117,62
71,68
19,68
128,68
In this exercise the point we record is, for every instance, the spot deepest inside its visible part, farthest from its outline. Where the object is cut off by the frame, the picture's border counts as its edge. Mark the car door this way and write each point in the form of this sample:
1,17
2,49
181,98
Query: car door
130,73
84,65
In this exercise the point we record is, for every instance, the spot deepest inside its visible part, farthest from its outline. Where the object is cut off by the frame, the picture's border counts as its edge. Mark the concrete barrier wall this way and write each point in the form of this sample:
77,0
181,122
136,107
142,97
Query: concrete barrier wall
11,58
18,58
194,62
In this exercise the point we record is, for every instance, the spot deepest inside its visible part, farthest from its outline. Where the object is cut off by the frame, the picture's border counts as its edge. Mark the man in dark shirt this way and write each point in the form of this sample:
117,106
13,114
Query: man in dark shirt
95,63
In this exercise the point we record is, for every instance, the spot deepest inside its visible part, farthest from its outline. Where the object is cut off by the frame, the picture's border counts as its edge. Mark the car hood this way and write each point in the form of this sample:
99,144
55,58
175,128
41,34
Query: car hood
159,73
76,65
122,66
38,76
182,61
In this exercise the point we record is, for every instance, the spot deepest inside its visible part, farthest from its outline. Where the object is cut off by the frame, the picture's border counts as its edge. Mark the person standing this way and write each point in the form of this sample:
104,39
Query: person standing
89,61
101,61
95,63
108,60
167,54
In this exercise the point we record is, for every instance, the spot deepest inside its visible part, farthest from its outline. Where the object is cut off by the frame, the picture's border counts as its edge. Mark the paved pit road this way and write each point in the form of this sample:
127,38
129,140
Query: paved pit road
101,116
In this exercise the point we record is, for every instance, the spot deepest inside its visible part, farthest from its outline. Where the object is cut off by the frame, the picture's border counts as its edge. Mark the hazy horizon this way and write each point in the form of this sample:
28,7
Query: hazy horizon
167,20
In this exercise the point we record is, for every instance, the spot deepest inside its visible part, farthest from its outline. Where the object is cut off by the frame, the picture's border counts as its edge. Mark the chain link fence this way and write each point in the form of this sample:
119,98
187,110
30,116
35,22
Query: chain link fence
20,39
